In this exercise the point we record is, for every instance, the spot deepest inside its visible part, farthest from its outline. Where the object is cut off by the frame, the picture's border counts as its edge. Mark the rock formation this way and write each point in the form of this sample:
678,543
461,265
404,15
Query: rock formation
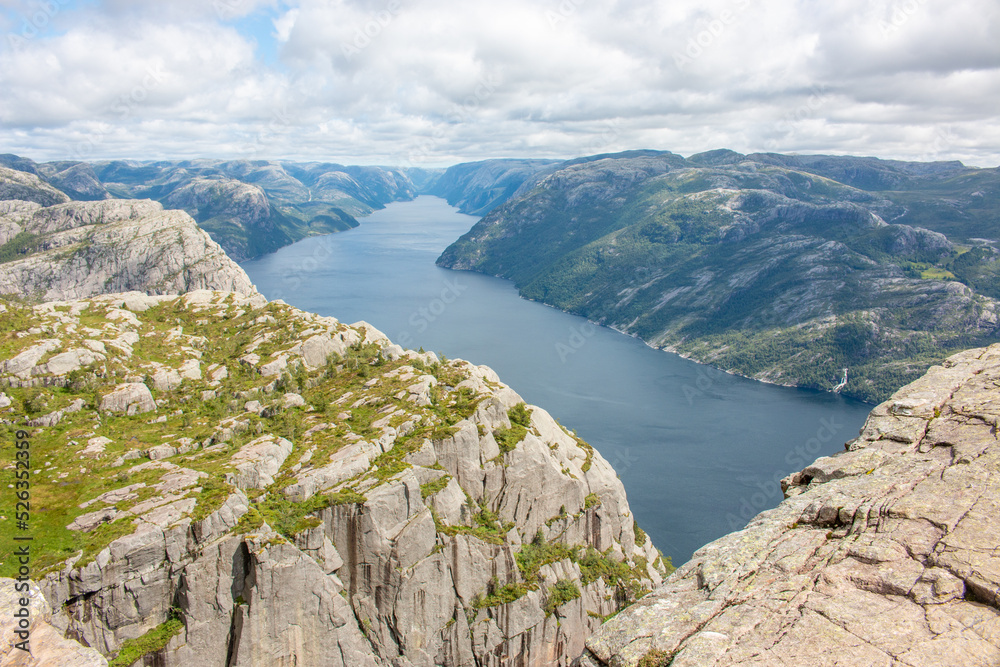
80,249
884,555
23,186
232,482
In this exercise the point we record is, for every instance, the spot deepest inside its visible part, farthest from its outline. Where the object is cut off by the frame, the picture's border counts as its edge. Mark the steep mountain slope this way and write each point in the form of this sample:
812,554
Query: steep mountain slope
250,207
883,555
477,188
760,268
76,179
255,207
25,186
80,249
223,481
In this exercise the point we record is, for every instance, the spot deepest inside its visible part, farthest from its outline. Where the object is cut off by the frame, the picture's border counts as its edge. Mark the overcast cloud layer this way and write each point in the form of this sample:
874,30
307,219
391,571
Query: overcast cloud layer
434,82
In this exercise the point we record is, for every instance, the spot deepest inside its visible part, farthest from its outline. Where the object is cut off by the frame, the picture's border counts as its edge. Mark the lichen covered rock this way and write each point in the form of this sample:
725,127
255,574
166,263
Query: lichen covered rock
883,555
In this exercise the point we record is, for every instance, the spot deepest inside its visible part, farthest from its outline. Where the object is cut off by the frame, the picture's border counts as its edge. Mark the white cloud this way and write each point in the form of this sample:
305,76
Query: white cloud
435,81
283,26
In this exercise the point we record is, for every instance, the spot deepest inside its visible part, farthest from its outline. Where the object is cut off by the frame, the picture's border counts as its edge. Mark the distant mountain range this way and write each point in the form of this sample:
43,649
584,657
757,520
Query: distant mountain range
249,207
784,268
838,273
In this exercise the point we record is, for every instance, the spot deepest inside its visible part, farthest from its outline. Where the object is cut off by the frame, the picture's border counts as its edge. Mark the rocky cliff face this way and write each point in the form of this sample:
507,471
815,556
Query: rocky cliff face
80,249
883,555
232,482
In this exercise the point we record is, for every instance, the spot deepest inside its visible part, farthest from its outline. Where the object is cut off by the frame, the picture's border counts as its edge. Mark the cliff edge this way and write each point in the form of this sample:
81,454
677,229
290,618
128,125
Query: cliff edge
224,481
884,555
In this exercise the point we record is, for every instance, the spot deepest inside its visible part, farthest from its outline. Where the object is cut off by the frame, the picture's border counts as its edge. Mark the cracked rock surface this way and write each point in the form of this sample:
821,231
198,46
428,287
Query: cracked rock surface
885,555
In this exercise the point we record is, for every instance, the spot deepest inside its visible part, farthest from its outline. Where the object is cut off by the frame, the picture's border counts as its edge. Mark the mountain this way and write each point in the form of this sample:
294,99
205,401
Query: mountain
250,207
79,249
253,207
763,265
478,187
225,481
882,555
26,186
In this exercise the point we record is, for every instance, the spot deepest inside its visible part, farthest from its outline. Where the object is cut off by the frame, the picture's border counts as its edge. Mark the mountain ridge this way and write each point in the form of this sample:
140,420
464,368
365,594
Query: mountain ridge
779,274
250,207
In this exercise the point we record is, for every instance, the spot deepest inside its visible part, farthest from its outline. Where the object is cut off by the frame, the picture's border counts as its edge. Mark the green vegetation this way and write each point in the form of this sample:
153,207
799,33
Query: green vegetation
640,534
538,552
562,592
655,658
430,488
156,639
774,277
19,247
290,518
500,595
488,527
347,497
520,420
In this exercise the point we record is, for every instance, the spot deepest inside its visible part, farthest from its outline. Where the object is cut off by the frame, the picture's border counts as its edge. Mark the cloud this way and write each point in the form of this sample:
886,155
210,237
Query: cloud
434,81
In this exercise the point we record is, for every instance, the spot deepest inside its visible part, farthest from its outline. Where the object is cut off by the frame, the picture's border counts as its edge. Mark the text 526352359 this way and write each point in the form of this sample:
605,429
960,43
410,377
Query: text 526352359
22,517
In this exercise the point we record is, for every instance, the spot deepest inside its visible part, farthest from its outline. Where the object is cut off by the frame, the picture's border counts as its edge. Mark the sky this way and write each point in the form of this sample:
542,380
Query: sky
436,82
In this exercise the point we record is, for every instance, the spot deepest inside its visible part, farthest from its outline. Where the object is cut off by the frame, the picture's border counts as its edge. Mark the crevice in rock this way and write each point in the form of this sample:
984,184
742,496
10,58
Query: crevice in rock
242,576
235,634
861,639
979,594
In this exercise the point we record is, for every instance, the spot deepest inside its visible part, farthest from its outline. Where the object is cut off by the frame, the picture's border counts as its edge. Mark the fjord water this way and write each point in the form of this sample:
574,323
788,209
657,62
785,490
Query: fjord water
699,451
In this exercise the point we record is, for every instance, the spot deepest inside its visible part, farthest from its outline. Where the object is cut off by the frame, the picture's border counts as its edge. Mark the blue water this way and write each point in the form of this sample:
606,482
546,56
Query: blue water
699,451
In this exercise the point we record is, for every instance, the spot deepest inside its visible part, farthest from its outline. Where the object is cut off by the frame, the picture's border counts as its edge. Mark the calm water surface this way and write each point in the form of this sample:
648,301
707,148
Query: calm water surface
699,451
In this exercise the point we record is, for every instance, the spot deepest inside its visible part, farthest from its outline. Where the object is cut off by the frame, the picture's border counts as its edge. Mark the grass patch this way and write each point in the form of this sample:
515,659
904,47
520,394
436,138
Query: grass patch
538,552
290,518
655,658
93,542
430,488
520,419
487,527
151,642
562,592
640,534
347,497
386,465
214,493
500,595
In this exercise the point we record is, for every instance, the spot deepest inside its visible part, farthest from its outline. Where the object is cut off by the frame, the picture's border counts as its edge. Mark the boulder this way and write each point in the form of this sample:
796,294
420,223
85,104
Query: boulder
131,398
